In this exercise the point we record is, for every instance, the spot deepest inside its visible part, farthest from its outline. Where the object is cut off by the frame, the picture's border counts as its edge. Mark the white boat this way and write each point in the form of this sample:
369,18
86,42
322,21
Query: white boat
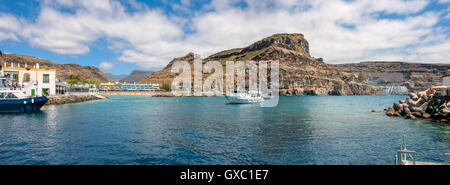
13,98
244,98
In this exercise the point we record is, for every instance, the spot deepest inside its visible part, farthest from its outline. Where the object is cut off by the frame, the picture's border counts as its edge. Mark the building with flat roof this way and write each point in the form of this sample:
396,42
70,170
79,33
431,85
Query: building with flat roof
108,86
446,80
34,80
444,90
140,87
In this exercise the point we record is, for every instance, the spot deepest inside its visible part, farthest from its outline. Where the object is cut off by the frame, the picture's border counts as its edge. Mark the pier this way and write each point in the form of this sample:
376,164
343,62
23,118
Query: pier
408,157
73,98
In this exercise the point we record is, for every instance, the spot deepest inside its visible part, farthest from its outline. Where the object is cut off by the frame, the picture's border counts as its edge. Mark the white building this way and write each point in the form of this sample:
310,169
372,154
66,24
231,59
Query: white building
446,80
34,81
139,87
444,90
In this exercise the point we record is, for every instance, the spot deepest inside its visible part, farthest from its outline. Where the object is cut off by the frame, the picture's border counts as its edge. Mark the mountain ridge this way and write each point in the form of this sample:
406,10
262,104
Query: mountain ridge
300,74
136,76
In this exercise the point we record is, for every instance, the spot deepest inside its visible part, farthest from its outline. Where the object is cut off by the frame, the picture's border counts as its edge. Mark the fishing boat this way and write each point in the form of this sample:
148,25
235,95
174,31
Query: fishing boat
244,98
13,98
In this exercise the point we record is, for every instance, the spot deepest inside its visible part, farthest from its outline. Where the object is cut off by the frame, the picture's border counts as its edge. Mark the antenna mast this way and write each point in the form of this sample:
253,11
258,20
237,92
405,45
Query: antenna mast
1,68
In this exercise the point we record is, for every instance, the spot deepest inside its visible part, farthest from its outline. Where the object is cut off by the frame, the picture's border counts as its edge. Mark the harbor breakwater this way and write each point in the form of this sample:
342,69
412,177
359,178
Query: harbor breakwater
67,99
425,105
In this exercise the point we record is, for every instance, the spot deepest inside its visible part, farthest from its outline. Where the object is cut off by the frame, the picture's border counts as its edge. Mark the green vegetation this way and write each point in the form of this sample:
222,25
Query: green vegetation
166,86
80,81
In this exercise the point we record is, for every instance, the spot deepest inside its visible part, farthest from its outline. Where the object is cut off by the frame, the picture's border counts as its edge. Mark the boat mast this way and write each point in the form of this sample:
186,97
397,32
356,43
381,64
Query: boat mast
1,68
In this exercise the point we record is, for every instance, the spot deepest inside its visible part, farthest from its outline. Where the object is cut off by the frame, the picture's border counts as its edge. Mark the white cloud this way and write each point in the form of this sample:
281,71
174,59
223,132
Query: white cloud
322,25
338,31
9,26
106,66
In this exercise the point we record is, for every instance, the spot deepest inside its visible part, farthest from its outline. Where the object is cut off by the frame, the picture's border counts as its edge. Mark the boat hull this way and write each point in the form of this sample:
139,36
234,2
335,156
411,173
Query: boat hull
19,105
238,100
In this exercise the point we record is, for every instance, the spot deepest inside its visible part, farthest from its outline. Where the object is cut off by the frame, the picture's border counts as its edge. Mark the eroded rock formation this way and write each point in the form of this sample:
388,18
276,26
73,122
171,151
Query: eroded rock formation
300,74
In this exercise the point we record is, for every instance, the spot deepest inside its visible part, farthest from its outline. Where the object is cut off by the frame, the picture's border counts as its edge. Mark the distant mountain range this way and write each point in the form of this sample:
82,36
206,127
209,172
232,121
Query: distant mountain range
116,77
134,76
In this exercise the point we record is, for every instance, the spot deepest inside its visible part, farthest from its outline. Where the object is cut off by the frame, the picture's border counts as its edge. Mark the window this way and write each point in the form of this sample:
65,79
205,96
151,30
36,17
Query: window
26,77
16,77
46,78
11,95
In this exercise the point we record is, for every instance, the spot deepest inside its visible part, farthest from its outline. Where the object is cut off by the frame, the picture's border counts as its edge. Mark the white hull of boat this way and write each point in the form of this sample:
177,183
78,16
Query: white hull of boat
243,99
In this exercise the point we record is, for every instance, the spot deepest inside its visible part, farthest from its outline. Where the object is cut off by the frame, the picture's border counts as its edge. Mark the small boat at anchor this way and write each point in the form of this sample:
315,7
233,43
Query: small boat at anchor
244,98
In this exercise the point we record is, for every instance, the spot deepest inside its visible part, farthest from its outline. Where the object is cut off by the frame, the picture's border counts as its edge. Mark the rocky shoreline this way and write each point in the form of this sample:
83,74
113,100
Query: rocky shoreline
67,99
424,105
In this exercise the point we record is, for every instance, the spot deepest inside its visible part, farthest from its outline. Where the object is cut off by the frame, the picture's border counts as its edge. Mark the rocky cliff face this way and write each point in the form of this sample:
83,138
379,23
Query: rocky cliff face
300,74
165,76
63,71
414,76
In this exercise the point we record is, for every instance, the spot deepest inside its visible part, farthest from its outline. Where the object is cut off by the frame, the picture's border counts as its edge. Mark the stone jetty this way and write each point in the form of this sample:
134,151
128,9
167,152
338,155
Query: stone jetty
424,105
66,99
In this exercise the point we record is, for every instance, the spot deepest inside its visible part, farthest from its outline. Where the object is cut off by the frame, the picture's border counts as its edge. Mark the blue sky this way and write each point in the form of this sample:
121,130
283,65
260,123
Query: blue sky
121,35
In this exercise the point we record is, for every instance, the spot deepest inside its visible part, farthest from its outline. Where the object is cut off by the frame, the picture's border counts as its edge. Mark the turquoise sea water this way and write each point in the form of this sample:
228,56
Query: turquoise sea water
204,130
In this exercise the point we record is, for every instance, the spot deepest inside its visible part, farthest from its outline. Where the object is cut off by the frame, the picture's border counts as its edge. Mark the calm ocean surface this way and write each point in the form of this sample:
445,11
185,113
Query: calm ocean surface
204,130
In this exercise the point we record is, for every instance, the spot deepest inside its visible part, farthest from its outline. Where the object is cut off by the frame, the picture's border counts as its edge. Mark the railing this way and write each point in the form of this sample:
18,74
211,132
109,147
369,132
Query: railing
447,155
402,154
402,157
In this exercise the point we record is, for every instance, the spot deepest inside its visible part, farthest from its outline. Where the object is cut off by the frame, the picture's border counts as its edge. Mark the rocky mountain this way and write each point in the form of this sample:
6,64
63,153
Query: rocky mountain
116,77
414,76
135,76
63,71
300,74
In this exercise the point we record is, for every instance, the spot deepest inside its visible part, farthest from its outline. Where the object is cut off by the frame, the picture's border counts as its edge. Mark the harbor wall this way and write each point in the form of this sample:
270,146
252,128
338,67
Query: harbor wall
67,99
425,105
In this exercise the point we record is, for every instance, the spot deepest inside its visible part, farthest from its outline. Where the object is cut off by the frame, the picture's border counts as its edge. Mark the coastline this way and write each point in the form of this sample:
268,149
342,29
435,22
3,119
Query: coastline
137,93
169,94
69,99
